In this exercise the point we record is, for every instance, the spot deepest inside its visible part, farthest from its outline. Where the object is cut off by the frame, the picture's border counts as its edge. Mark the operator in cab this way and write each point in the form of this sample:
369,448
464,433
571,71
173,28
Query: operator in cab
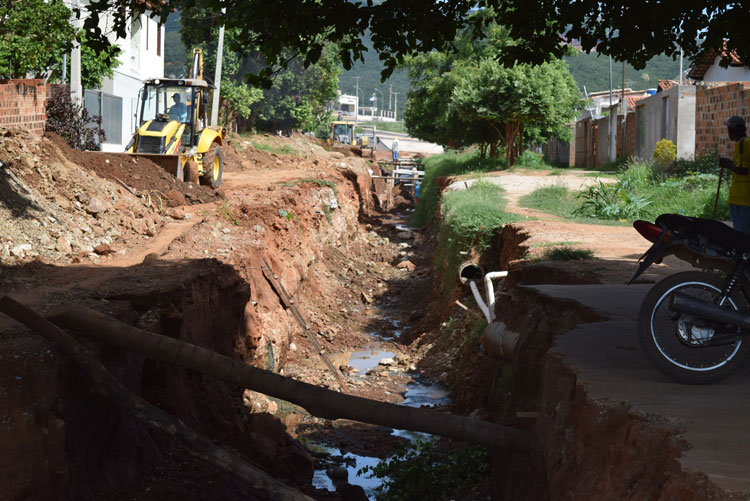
739,189
178,111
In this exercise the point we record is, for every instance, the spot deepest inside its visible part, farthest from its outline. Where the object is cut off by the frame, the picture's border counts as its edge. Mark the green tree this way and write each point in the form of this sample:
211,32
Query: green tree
468,97
34,34
295,100
633,31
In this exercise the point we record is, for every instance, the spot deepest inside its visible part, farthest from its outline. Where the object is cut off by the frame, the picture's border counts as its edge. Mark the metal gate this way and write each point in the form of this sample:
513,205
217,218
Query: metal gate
109,107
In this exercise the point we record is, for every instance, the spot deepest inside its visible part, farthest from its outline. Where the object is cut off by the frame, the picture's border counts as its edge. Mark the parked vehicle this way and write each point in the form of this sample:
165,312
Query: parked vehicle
692,325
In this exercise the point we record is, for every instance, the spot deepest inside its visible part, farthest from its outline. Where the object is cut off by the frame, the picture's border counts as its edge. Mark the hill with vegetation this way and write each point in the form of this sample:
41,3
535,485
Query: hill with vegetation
592,70
369,71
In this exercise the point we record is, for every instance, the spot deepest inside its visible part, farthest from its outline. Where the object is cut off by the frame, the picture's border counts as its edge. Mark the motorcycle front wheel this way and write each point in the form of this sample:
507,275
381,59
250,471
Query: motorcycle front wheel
686,348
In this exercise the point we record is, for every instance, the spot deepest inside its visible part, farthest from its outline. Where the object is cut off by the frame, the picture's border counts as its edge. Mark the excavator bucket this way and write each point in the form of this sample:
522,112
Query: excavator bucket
170,163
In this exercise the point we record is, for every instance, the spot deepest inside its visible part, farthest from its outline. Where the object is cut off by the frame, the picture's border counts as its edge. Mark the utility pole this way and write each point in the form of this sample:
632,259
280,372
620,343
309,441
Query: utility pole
395,106
356,105
217,76
612,119
76,88
390,96
624,105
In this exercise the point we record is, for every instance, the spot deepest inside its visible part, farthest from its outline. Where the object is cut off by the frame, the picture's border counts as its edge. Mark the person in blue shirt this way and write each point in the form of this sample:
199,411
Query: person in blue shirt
178,111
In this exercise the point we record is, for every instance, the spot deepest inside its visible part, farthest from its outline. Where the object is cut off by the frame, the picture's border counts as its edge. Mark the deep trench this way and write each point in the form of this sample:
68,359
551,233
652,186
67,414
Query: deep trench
83,447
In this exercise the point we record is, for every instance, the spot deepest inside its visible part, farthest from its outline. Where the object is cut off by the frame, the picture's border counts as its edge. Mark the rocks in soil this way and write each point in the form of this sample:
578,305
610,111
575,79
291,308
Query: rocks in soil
406,265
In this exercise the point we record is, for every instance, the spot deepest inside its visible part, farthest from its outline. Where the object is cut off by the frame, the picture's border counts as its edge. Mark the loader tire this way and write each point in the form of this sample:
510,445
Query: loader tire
213,166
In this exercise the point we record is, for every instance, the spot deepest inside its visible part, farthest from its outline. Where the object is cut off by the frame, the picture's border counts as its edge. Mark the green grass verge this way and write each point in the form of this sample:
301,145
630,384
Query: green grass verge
386,126
641,192
447,164
470,218
279,150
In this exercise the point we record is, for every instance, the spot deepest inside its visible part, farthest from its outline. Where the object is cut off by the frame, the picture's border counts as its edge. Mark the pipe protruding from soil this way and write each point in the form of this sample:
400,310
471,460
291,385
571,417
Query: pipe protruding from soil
499,340
469,271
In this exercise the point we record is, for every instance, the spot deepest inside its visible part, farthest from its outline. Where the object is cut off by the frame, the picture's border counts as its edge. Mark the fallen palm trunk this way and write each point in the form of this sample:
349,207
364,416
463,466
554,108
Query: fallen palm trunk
107,385
318,401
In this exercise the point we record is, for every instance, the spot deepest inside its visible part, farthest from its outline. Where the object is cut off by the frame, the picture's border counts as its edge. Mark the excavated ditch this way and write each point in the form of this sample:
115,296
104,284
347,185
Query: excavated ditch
364,286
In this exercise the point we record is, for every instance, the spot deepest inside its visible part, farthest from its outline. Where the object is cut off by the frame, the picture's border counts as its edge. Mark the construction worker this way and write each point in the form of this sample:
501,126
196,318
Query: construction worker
739,189
178,111
394,148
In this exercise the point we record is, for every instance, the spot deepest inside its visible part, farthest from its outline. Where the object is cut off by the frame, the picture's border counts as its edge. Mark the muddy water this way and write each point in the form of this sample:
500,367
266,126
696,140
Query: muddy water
417,394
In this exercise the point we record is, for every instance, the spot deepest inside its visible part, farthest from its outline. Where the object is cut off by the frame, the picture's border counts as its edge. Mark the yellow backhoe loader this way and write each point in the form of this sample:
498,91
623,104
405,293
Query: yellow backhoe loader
174,131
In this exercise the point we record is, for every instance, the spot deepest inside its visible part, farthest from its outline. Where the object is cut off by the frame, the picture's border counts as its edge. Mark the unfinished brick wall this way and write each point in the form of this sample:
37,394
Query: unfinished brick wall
626,148
22,104
715,102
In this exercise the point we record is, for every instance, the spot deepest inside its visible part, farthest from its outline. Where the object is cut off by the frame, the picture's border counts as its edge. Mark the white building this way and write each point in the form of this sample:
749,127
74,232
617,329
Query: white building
709,69
141,57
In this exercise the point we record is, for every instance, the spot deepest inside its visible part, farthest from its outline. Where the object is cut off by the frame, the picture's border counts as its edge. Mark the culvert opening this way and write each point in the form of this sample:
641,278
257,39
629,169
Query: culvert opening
470,271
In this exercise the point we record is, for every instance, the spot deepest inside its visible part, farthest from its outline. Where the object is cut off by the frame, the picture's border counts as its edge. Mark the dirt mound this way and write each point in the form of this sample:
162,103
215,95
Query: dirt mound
140,174
53,209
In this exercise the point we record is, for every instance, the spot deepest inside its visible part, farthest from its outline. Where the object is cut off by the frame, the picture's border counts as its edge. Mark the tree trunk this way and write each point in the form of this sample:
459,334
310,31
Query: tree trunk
318,401
105,384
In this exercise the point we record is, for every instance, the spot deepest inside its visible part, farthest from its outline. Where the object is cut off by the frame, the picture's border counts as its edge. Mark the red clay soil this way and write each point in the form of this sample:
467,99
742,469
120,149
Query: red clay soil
139,173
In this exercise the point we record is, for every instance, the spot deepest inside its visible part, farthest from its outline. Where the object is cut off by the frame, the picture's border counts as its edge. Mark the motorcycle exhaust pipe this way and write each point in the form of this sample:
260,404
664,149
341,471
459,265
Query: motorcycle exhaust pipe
682,303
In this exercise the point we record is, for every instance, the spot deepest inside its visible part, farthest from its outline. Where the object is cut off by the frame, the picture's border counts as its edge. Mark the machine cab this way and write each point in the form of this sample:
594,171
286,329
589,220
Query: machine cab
171,115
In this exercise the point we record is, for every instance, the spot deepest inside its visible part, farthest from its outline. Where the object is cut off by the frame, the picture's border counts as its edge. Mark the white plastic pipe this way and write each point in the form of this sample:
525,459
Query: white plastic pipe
479,300
490,291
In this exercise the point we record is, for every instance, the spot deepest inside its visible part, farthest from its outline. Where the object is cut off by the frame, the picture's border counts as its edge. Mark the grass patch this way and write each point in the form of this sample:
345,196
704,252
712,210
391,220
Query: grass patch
386,126
470,218
566,253
312,180
270,148
447,164
642,191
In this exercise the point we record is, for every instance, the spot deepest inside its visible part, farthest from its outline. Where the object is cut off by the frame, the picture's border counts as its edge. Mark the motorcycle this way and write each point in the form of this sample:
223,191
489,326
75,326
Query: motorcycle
692,324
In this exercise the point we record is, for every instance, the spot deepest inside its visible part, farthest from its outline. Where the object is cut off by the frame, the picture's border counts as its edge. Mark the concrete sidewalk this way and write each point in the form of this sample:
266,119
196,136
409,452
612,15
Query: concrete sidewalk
609,361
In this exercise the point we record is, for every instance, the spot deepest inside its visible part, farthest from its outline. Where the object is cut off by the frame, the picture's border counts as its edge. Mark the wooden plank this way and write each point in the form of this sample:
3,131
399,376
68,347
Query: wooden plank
288,302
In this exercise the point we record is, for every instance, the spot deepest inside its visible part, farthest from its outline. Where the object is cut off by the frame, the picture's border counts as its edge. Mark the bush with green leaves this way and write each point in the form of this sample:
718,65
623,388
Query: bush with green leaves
418,471
665,153
72,122
704,163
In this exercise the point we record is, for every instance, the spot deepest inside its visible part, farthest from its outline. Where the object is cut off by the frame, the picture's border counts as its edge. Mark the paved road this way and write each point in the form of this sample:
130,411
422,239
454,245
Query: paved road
609,360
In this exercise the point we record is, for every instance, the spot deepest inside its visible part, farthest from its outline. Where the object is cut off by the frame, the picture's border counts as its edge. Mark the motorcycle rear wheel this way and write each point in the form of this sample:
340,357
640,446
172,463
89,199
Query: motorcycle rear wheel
668,338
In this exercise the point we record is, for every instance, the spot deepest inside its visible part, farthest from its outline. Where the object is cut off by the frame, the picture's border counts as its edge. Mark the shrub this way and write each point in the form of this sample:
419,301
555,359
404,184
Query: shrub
665,153
418,471
72,122
567,253
705,163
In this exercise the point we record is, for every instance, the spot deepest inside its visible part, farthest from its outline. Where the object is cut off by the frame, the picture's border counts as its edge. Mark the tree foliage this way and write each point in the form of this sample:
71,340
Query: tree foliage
633,31
34,34
298,94
468,97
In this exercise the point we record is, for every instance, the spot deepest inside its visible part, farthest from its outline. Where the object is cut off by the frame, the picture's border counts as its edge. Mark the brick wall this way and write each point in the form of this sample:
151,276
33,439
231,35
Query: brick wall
626,147
715,102
22,104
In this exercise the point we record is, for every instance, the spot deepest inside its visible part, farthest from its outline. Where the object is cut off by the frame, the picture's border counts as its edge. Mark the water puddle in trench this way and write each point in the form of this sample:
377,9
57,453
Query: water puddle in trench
417,394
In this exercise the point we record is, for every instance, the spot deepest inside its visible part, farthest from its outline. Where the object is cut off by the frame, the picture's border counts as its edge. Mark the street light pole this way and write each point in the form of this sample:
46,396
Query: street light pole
395,106
356,105
381,95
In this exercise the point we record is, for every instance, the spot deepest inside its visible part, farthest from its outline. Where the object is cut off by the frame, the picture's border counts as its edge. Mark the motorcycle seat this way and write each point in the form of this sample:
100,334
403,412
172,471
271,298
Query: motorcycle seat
717,231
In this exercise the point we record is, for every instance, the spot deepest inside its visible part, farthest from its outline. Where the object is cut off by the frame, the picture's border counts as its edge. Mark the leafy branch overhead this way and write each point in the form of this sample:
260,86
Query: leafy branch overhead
633,31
